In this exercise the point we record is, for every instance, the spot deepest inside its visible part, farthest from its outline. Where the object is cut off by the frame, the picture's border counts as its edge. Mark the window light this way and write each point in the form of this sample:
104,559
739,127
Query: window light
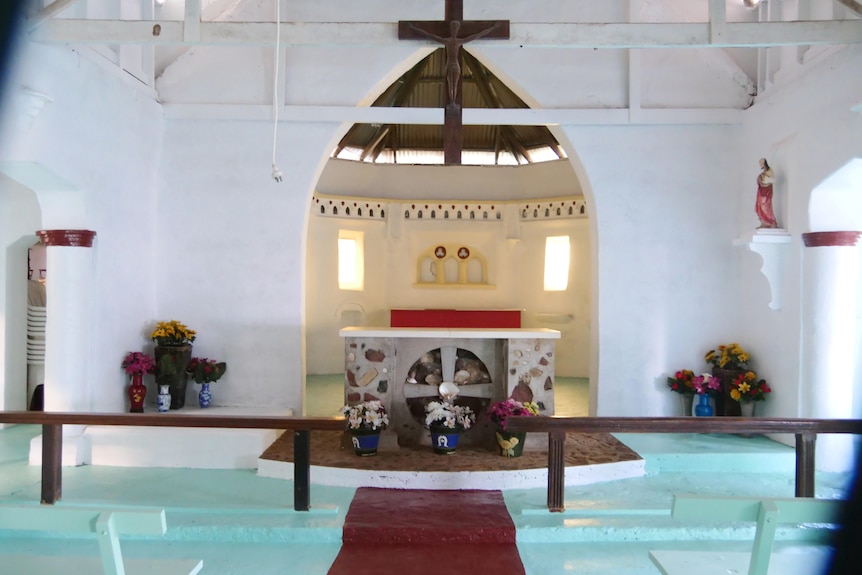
351,260
556,263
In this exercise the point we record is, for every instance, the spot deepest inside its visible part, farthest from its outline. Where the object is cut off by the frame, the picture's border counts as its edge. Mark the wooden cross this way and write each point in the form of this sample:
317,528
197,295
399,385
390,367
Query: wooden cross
453,32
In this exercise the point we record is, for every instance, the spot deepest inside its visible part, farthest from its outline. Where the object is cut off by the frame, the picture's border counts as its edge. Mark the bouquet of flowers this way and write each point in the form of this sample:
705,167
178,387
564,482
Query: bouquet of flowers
682,382
136,363
366,416
499,412
205,370
172,332
727,357
445,414
707,384
745,388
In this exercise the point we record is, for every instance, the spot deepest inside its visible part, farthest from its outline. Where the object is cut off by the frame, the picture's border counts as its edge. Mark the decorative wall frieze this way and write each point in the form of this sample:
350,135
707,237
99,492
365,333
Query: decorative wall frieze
830,239
376,209
67,238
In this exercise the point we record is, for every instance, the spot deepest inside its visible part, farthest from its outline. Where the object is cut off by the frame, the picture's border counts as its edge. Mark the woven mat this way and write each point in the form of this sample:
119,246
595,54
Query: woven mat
327,451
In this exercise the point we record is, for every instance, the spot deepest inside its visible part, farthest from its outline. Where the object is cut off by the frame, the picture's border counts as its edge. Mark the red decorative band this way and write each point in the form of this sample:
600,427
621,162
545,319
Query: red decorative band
69,238
829,239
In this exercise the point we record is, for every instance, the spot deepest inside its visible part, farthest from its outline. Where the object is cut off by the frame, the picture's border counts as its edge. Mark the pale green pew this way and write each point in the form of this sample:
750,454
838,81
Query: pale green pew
768,513
107,524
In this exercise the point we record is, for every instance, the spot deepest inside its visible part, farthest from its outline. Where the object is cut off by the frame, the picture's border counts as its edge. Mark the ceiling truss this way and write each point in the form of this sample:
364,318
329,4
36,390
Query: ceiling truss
717,32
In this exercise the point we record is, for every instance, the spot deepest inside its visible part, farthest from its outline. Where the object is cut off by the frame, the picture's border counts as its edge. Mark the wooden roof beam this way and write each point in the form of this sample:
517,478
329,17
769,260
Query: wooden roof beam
526,35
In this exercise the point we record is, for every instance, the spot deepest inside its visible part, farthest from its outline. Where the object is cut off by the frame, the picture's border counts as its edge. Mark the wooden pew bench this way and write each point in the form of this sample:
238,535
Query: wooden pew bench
767,513
107,524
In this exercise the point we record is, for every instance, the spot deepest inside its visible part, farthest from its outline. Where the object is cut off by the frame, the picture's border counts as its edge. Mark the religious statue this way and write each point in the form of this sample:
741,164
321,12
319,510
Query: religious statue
763,204
453,52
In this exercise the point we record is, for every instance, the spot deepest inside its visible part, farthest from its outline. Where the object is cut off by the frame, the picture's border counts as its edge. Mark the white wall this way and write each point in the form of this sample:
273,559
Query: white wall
230,248
102,134
807,130
206,237
19,214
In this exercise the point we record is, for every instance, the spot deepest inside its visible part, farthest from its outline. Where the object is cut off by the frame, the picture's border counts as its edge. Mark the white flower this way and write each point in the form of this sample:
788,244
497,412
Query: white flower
366,415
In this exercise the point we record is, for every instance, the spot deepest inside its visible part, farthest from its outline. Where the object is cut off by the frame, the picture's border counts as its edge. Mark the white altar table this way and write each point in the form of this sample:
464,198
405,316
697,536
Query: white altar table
402,367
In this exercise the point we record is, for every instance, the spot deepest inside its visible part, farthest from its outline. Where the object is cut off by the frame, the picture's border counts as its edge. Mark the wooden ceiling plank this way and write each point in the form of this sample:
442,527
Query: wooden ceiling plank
852,5
47,13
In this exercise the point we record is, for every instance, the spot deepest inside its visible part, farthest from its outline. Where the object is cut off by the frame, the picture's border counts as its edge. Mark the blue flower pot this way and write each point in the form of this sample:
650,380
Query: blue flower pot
365,442
444,440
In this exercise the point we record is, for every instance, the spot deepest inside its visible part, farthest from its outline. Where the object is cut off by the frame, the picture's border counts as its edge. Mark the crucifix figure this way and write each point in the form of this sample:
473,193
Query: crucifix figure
453,44
447,33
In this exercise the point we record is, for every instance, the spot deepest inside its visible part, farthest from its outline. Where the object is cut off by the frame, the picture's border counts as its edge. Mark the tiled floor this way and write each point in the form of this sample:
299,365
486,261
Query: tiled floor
241,523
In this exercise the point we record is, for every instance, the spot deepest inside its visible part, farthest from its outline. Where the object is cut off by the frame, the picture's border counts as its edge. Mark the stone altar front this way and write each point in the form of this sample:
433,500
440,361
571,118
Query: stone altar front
403,367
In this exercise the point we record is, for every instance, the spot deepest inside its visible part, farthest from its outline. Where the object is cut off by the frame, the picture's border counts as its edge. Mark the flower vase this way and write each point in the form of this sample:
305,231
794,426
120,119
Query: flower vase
365,441
444,439
137,392
171,364
686,400
205,396
747,408
511,444
724,404
164,399
703,408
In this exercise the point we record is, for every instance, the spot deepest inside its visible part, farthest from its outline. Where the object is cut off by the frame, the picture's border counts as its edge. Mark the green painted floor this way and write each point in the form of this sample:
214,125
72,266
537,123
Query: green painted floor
239,523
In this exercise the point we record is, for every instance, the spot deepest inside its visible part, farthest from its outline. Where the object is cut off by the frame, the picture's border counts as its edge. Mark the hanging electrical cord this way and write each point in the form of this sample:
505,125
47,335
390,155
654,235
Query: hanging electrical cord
276,173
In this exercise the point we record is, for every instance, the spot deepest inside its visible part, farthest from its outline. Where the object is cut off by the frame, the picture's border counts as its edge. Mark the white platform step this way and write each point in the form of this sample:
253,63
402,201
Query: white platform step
189,447
30,564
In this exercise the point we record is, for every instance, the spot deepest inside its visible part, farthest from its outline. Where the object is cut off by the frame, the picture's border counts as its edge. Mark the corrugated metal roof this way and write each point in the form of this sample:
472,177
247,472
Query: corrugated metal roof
423,86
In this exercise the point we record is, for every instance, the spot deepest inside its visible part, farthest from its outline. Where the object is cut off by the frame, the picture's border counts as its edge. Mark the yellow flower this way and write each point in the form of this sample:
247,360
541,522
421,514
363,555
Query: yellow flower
743,388
750,376
734,393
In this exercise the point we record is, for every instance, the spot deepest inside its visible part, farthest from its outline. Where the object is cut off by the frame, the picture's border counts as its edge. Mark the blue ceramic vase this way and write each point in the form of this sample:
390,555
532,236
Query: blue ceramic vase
703,407
205,397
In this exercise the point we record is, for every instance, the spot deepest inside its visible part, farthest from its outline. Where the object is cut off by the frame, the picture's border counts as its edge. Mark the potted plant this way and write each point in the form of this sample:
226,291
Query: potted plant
205,371
137,364
365,421
681,383
705,386
446,422
747,389
173,353
727,361
511,444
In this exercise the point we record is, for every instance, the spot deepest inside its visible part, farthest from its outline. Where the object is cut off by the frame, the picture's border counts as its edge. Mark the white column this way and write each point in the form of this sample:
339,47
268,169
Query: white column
830,341
67,332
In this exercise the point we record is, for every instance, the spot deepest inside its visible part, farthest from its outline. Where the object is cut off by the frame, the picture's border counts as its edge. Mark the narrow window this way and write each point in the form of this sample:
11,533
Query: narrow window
351,260
556,263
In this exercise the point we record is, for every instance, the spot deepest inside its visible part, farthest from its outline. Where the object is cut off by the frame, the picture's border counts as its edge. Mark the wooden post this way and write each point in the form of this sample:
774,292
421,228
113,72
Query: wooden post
556,471
52,461
805,443
301,469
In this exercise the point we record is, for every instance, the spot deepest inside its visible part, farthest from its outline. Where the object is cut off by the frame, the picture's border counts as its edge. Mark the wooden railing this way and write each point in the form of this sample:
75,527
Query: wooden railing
52,439
805,430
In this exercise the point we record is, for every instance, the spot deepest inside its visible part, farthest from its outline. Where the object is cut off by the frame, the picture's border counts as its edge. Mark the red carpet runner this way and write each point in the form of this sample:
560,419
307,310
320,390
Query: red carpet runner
427,533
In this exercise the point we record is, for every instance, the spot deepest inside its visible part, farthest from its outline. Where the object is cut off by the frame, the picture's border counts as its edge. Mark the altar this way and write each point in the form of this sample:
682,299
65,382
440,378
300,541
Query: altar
404,366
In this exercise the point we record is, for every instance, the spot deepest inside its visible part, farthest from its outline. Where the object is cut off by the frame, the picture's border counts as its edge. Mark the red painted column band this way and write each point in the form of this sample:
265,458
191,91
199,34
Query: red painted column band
67,238
830,239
